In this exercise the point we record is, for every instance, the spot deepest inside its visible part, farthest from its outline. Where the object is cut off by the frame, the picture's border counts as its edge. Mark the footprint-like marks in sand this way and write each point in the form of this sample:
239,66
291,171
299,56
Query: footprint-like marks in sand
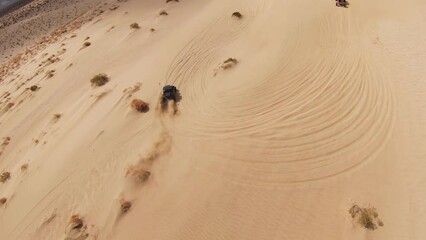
304,122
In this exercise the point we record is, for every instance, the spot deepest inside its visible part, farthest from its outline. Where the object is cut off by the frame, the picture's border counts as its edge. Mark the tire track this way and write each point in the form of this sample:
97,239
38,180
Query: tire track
302,122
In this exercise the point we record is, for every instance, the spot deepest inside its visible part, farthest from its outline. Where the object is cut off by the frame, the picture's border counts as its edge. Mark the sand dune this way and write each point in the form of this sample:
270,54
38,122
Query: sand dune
290,115
40,17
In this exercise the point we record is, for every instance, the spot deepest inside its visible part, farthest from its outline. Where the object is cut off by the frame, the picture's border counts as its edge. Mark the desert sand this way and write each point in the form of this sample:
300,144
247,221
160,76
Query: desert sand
290,115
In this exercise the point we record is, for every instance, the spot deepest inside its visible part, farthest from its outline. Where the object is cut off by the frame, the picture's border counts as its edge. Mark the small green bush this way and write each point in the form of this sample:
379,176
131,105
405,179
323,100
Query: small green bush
134,26
366,217
34,88
99,80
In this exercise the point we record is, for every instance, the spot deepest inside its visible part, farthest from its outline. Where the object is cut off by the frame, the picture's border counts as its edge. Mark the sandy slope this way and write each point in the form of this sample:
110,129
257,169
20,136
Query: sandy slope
26,25
324,109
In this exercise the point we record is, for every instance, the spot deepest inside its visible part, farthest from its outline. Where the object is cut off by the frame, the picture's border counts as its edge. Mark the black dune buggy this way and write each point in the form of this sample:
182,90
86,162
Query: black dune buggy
170,93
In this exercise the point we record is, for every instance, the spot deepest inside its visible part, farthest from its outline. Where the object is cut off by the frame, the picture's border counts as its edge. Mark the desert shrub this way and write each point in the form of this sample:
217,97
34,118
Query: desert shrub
34,88
237,15
99,80
6,141
53,60
231,60
152,29
50,73
367,220
163,13
134,26
57,116
167,1
24,167
228,63
4,177
3,200
86,44
76,228
9,105
366,217
144,175
139,105
113,7
138,173
76,222
125,206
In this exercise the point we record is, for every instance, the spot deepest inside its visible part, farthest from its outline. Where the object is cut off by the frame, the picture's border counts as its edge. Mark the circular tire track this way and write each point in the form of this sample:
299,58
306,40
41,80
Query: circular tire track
316,116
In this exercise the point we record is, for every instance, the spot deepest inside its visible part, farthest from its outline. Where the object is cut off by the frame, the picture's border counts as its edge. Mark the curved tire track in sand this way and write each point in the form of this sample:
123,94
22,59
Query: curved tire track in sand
301,123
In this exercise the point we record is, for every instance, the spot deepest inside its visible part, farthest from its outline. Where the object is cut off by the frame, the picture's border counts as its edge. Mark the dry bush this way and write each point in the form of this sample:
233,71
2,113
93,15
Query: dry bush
87,38
6,141
152,29
50,73
125,206
167,1
57,116
230,62
99,80
163,13
140,105
76,222
24,167
134,26
237,15
139,173
3,200
4,177
113,7
366,217
52,59
9,106
86,44
76,228
34,88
